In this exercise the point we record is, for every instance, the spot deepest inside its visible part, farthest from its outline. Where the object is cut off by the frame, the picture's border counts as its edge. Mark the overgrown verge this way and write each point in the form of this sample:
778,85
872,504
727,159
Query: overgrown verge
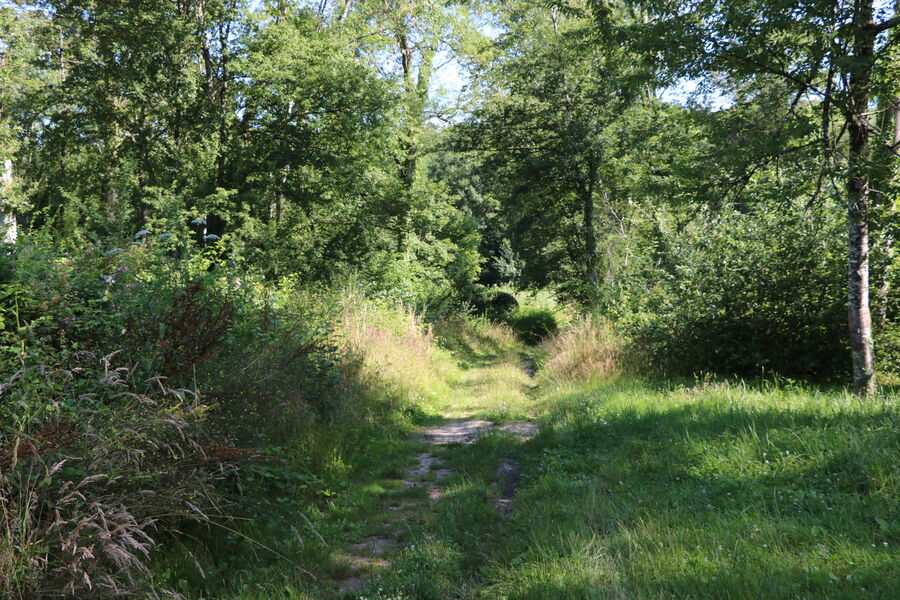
589,349
212,441
93,465
100,452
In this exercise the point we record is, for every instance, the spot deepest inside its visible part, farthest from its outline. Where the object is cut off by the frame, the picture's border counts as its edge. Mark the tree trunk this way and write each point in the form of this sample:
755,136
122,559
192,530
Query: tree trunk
346,12
896,144
590,232
8,228
859,316
410,131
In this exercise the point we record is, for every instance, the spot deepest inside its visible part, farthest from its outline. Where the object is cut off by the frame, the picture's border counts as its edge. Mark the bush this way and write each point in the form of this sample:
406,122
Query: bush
887,349
193,327
502,304
281,371
533,324
741,292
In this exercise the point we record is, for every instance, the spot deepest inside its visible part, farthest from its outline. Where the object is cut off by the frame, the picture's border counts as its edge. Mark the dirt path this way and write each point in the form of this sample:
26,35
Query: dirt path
428,472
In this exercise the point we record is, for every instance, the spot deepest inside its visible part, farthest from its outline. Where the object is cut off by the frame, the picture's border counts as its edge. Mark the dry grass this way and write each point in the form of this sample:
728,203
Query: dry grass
456,368
83,488
588,349
398,350
476,336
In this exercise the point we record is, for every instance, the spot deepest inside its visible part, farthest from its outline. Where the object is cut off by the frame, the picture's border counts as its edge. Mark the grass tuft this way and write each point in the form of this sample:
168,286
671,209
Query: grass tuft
589,349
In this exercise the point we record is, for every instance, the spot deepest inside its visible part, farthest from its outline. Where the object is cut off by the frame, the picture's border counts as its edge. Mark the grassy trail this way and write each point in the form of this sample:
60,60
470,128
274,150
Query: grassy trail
708,491
462,463
629,490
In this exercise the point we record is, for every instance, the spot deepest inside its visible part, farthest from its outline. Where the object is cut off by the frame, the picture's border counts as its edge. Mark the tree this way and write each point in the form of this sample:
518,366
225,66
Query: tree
548,128
311,156
21,83
827,51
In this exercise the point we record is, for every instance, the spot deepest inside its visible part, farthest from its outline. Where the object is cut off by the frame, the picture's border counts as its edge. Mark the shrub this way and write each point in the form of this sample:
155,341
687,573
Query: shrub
742,291
502,304
533,324
194,326
281,371
887,349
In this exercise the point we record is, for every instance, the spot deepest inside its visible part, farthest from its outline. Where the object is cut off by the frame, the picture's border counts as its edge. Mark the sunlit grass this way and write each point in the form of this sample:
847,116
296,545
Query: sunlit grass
713,491
463,367
499,392
632,490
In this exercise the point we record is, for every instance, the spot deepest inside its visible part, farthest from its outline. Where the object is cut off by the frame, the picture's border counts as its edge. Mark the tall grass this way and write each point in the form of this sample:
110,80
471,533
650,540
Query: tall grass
398,351
590,348
93,464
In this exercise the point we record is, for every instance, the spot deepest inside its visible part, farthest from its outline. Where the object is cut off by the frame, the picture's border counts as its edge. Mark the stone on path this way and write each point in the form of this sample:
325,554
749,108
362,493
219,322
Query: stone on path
458,432
466,432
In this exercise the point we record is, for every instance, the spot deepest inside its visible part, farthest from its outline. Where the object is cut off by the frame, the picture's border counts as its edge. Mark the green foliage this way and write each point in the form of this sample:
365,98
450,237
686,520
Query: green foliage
163,313
887,348
533,324
744,292
194,183
547,131
438,262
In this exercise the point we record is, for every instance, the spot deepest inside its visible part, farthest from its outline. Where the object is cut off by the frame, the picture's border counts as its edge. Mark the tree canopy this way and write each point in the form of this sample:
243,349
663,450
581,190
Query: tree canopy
680,166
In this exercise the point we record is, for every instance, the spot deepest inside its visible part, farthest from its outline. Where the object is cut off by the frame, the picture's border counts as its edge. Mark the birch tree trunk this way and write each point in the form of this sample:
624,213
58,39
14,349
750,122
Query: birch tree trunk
9,230
859,315
590,232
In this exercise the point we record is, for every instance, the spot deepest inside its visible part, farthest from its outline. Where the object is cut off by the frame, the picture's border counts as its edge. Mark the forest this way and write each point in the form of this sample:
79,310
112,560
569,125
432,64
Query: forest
449,299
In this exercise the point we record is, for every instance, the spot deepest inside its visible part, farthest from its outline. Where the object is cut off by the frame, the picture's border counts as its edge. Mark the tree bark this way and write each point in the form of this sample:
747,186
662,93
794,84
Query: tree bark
859,315
410,132
346,11
590,232
8,228
896,144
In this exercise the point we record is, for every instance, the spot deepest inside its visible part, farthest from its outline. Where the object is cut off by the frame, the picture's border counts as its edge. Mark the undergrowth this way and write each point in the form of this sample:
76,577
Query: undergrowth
242,433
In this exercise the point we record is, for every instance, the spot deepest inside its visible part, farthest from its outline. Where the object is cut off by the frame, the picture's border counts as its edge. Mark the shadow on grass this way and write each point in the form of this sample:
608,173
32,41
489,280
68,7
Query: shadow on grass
705,496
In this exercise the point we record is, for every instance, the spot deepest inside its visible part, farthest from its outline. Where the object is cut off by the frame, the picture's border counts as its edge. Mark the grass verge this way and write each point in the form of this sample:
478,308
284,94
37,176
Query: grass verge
632,490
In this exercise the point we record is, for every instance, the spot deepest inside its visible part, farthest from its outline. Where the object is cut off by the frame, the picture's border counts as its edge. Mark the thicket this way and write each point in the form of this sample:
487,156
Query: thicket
744,292
146,394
